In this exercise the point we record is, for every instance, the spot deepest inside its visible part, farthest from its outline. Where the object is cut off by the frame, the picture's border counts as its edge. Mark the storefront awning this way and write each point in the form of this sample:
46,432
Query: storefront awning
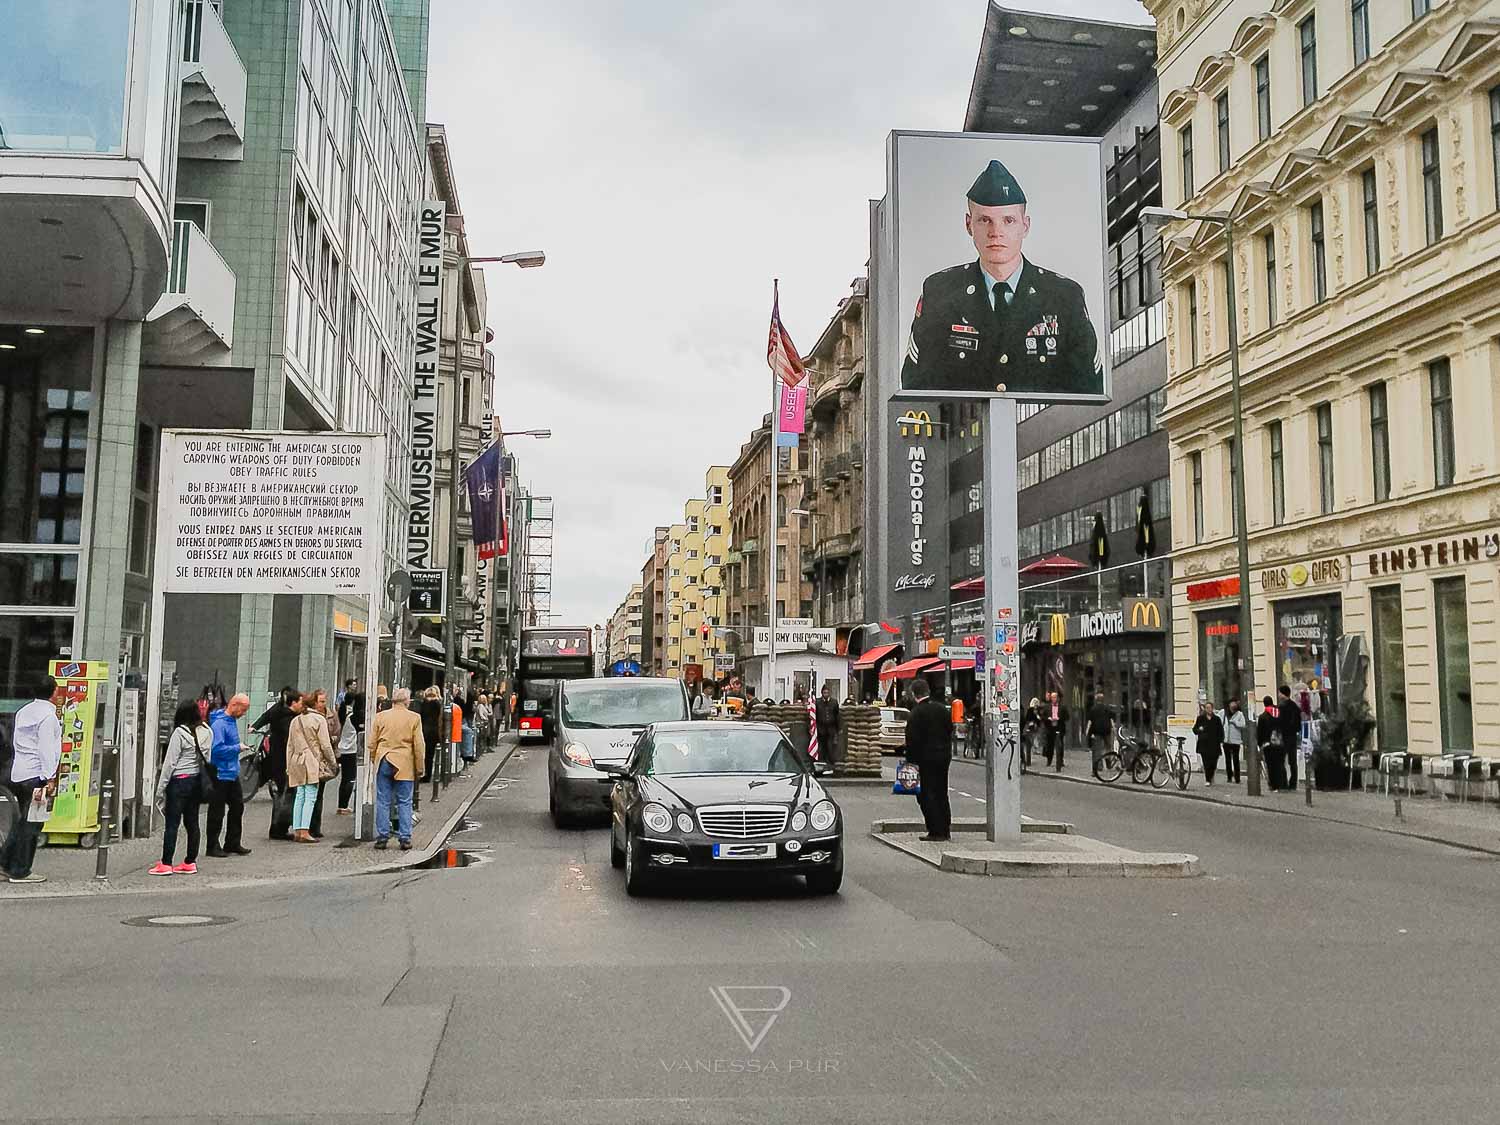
874,656
910,668
961,666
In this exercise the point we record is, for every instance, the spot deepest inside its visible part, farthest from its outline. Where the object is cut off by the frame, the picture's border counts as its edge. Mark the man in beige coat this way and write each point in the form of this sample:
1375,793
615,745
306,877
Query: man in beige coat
398,752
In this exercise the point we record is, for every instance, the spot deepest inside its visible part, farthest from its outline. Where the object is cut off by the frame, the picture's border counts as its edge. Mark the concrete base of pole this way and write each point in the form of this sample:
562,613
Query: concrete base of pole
1005,797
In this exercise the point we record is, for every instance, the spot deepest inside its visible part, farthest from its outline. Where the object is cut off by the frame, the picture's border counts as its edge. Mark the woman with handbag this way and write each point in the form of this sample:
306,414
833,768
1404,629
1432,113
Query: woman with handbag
335,729
309,754
352,716
1268,736
180,788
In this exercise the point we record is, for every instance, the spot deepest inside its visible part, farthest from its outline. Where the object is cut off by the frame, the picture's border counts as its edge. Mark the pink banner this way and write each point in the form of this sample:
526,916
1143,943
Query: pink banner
793,409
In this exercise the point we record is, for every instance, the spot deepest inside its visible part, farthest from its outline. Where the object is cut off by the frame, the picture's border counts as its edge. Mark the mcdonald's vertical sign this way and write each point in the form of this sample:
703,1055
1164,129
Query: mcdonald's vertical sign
917,509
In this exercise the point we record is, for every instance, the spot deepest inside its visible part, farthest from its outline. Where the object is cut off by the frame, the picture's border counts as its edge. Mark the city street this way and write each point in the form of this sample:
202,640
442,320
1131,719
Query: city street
1316,971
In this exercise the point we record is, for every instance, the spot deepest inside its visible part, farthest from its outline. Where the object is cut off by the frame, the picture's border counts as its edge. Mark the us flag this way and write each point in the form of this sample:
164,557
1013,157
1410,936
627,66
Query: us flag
781,353
812,727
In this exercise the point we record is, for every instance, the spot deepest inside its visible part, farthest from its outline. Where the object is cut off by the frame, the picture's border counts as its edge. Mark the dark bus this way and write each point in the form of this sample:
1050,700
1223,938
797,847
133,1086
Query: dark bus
547,656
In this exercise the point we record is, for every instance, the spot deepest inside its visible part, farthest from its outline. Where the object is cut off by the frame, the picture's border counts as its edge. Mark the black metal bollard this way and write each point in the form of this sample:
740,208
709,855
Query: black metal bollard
106,812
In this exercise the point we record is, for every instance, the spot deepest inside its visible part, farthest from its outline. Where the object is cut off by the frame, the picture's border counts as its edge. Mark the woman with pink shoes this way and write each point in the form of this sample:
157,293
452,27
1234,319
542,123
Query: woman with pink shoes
181,787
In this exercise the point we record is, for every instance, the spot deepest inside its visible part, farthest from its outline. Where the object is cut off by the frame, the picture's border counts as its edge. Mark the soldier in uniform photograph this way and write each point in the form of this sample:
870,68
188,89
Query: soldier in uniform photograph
1002,322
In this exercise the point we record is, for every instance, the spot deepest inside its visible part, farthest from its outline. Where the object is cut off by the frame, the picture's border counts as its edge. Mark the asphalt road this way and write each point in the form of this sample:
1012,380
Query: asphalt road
1318,972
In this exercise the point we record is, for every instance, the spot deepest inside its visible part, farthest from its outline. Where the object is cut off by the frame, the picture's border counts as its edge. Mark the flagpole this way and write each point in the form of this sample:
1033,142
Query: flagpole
771,549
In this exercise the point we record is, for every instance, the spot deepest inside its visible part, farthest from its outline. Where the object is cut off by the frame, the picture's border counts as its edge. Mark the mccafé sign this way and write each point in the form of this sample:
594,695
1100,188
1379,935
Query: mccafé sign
1320,572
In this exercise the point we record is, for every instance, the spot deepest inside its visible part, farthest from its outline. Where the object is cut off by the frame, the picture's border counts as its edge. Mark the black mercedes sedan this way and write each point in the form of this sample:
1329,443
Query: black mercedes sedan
723,797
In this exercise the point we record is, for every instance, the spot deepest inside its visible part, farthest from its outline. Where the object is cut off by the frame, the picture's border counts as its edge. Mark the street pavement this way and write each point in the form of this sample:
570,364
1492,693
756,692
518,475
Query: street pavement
1317,971
71,871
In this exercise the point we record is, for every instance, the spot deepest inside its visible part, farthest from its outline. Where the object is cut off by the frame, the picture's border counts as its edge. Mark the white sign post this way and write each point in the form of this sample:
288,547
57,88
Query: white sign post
269,512
1003,611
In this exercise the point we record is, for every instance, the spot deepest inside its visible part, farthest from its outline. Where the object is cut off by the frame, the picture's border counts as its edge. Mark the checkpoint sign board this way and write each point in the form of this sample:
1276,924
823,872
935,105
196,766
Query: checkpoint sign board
246,512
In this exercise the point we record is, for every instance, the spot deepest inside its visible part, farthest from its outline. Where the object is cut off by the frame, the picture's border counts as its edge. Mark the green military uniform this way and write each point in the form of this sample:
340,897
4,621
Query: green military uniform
1040,340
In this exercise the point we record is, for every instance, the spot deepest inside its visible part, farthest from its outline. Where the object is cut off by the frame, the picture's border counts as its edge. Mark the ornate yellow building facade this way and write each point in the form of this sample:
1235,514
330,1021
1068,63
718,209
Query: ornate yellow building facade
1355,144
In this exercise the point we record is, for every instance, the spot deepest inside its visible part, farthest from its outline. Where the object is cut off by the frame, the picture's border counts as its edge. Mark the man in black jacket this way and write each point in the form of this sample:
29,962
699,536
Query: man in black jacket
1289,722
929,744
276,721
827,709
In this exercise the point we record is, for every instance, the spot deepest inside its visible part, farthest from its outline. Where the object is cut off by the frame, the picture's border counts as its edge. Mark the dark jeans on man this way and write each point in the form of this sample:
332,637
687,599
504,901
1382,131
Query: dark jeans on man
225,795
1275,758
828,743
933,799
1290,757
348,772
20,842
184,794
1232,761
1055,737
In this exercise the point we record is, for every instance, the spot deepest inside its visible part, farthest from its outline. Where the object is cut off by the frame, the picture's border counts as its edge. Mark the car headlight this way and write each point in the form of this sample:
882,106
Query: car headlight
578,754
824,813
684,822
799,821
656,818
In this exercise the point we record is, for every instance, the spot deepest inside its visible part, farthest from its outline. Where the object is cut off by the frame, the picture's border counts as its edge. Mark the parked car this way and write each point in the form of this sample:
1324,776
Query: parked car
597,723
892,729
725,798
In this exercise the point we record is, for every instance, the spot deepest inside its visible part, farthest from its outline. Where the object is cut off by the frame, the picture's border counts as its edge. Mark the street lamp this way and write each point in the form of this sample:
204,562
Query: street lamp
812,526
1156,216
526,259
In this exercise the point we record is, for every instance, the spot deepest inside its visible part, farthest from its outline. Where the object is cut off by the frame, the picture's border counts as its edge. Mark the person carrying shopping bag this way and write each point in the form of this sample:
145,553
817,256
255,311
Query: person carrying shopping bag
309,752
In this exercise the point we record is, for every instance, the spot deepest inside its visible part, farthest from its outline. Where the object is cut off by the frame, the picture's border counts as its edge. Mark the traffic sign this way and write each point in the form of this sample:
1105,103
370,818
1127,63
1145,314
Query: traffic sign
429,593
957,652
794,623
398,585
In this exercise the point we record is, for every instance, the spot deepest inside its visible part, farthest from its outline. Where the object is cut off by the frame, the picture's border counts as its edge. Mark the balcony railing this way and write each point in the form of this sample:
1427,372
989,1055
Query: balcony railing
213,87
193,322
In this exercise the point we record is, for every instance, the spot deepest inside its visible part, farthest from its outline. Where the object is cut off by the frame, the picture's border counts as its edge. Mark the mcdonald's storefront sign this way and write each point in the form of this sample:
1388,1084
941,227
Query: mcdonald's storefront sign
1135,615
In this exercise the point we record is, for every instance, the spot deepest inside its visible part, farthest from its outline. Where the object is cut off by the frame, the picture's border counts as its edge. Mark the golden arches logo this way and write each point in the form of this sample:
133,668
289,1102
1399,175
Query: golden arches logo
1059,628
912,423
1145,615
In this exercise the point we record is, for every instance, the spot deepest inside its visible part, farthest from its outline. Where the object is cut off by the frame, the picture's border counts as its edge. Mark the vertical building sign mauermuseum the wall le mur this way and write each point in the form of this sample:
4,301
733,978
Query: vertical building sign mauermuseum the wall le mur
424,376
918,542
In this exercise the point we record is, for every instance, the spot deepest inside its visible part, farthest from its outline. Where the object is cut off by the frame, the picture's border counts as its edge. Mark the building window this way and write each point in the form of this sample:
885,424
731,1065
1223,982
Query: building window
1325,457
1234,476
1454,690
1263,97
1495,140
1390,667
1372,221
1307,39
1268,242
1278,474
1380,442
1185,139
1420,8
1432,186
1320,252
1192,322
1221,129
1196,460
1440,383
1359,26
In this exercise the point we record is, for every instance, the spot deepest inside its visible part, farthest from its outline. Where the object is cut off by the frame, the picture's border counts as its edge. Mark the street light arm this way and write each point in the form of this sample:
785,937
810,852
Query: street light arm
526,259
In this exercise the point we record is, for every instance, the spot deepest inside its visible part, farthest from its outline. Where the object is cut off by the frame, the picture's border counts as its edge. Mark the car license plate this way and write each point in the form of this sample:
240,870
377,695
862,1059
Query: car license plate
744,851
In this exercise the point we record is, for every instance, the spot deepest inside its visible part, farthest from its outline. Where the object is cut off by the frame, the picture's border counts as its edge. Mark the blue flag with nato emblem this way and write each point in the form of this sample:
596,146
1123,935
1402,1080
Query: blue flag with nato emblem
487,504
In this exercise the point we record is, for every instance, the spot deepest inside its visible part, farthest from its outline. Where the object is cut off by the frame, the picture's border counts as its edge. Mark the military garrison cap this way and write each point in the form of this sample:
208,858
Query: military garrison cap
996,187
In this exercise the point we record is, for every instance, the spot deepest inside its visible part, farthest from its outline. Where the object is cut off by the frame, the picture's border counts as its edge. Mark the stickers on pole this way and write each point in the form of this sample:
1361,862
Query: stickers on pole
1006,680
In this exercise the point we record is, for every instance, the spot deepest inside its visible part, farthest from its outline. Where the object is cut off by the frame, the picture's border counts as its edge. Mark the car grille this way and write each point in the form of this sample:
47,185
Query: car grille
743,822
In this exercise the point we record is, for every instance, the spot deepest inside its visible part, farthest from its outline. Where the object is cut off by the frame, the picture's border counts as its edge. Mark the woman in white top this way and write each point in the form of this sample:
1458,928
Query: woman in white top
1234,739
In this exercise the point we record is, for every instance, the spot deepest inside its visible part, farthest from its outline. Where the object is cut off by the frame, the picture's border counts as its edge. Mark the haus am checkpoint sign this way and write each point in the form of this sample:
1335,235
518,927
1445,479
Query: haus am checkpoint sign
270,513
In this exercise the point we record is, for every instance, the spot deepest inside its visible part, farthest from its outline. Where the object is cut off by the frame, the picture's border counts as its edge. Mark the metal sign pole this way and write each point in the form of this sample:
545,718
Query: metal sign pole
363,775
1003,613
166,487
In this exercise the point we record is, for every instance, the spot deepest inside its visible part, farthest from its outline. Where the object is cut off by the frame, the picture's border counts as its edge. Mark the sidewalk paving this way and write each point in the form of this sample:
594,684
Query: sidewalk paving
1472,825
70,870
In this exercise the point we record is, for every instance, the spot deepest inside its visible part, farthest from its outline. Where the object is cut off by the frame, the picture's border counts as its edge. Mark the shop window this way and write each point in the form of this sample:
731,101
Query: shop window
1455,698
1307,631
1219,656
1390,667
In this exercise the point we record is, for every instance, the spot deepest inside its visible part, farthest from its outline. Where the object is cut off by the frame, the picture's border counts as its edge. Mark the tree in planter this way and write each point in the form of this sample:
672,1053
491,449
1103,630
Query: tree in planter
1345,733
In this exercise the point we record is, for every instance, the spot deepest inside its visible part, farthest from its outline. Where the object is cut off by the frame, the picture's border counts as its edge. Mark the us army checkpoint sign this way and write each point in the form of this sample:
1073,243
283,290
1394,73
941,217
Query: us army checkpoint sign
999,255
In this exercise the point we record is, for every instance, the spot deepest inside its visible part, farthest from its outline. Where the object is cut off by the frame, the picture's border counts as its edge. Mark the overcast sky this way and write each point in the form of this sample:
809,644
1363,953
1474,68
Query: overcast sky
672,157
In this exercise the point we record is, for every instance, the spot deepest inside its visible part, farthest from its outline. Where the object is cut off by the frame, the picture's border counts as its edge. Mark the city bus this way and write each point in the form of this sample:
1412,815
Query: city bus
548,656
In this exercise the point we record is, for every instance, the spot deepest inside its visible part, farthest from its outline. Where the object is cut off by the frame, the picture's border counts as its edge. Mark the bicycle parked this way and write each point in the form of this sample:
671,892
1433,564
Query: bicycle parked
1158,763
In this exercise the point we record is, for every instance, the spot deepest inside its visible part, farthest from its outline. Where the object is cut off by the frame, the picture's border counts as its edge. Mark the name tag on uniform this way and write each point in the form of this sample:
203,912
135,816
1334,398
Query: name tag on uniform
963,343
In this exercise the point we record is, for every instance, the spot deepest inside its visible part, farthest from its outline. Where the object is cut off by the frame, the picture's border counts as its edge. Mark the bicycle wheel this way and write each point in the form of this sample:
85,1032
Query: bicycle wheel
1140,769
1184,771
1109,767
1161,771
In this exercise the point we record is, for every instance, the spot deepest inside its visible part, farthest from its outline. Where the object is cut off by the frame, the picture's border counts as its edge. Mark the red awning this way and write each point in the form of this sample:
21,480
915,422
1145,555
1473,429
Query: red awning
1052,564
911,668
875,656
970,586
962,665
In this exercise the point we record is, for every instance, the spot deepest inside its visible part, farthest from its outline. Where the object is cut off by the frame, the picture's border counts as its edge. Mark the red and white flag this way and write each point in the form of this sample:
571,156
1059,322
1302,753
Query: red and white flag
781,353
812,728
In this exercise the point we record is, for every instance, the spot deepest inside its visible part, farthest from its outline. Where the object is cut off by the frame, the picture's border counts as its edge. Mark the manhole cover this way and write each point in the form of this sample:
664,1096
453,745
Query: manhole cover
179,920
